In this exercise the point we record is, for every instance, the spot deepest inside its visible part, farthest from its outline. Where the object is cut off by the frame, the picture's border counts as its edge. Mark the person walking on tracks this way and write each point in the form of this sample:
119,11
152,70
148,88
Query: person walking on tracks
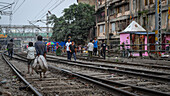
103,45
72,49
10,48
41,56
30,56
90,50
67,49
58,49
96,43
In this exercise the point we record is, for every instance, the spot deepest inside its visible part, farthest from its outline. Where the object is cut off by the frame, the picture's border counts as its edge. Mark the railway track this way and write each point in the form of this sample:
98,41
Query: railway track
66,83
149,66
155,74
18,73
151,74
153,64
136,85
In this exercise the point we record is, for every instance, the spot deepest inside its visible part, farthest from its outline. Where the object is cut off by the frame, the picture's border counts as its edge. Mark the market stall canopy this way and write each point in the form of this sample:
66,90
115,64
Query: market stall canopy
134,27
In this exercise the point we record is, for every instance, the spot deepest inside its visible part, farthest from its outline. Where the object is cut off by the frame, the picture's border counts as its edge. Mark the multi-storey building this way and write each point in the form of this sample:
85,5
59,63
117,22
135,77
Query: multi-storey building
90,2
122,12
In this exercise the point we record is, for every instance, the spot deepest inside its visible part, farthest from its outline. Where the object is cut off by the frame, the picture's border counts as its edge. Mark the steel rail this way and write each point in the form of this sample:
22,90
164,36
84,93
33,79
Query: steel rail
145,65
116,70
110,83
112,66
111,69
119,91
122,92
15,66
153,66
132,86
21,77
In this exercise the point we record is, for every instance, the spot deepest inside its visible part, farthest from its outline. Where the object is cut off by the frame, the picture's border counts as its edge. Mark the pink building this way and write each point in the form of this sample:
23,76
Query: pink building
135,34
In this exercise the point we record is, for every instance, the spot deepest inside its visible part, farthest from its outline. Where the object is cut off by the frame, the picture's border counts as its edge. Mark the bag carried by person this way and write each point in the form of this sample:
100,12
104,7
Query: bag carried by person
40,64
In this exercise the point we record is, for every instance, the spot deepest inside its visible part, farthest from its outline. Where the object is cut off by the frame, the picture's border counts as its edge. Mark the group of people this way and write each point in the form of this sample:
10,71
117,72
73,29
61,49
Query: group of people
92,48
71,50
39,50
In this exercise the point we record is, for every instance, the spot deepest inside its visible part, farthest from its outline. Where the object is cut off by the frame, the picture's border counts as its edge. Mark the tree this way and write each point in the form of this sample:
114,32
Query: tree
76,21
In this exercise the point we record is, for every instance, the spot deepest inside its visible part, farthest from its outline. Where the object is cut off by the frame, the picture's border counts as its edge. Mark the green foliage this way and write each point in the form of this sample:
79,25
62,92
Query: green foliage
143,12
76,21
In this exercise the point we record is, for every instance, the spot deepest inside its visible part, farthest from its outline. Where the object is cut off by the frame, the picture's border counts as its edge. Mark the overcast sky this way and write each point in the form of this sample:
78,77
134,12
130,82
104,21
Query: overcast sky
32,10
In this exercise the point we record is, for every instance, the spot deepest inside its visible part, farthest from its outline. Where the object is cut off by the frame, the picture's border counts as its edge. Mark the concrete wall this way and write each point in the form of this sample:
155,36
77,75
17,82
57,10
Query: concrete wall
146,19
90,2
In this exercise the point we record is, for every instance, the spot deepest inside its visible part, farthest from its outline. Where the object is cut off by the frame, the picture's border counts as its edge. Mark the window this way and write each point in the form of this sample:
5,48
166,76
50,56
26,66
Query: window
127,7
104,28
115,10
120,10
112,11
150,1
146,2
113,27
101,29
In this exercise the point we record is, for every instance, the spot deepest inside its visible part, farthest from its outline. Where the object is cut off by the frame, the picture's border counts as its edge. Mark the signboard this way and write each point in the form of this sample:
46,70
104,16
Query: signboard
3,36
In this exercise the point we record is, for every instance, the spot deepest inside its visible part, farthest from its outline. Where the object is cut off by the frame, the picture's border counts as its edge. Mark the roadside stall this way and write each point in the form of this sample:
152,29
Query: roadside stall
134,37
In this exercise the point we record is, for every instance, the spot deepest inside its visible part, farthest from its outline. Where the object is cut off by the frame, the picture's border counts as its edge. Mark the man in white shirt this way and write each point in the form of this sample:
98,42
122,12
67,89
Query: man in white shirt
90,49
67,49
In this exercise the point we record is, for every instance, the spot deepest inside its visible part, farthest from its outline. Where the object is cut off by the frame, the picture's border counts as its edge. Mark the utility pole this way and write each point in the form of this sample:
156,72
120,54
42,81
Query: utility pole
107,22
47,25
168,15
158,25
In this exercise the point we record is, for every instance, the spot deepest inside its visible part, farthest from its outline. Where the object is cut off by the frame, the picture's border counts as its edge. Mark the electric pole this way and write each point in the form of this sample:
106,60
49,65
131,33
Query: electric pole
158,25
107,22
47,25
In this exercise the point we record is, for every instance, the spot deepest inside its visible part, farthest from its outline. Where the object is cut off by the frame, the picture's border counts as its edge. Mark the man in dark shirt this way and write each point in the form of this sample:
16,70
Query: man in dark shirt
40,48
72,49
103,45
10,48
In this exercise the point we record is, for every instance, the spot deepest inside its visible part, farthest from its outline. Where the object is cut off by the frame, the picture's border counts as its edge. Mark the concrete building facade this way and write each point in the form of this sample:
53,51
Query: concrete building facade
90,2
122,12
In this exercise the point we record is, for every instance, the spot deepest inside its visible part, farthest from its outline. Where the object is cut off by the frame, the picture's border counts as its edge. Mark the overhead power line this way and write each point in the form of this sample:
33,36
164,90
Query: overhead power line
19,6
54,7
57,5
43,8
49,8
15,4
6,6
4,3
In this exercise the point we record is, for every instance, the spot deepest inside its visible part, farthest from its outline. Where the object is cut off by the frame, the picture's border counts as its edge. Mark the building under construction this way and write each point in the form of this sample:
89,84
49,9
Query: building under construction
121,12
